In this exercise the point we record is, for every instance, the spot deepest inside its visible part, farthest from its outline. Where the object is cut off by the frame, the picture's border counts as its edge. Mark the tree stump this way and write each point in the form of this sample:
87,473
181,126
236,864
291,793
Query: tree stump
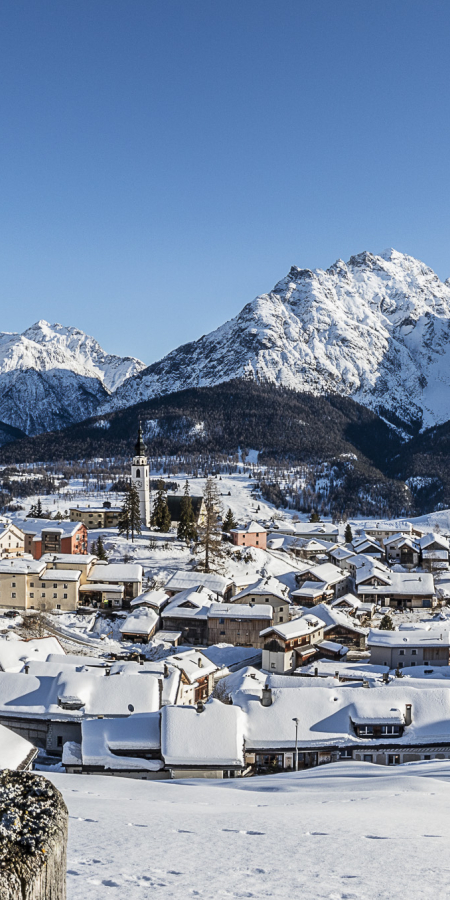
33,838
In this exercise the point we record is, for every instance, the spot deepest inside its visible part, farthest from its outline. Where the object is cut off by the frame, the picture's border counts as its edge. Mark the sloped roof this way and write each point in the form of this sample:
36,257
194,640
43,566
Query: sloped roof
212,737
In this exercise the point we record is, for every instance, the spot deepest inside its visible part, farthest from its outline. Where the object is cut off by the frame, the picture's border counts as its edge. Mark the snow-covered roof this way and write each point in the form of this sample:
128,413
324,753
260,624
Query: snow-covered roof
265,586
423,637
116,572
21,566
199,600
212,737
332,647
155,599
327,572
333,617
325,715
431,538
15,751
103,738
341,553
180,581
193,663
307,624
101,586
141,621
60,575
233,658
404,583
84,559
37,526
13,654
348,600
240,611
115,695
310,589
251,528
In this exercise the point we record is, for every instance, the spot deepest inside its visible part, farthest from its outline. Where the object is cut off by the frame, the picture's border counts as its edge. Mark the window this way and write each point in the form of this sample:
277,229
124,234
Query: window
401,652
55,586
390,729
58,606
345,754
366,729
222,622
42,593
64,596
414,652
55,596
59,740
31,583
138,473
65,587
13,595
31,596
43,584
13,584
222,632
367,757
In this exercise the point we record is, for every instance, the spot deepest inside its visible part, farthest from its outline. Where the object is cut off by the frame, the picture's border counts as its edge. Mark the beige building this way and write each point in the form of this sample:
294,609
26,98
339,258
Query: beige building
105,516
27,584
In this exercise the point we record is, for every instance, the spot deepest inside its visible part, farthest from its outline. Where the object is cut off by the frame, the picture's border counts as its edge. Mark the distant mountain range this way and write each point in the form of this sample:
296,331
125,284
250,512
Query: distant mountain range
375,329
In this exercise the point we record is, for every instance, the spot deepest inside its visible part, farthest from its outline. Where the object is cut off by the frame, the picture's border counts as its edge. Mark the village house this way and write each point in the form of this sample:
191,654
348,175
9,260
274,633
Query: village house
28,584
49,536
335,581
340,556
187,613
386,725
409,647
267,590
253,535
238,624
12,540
309,530
204,741
402,549
434,552
288,646
197,676
104,516
112,585
340,628
382,532
368,546
127,747
402,590
140,625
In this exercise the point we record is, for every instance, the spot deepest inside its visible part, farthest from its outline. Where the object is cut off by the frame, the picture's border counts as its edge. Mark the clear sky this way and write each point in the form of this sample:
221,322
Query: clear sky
162,162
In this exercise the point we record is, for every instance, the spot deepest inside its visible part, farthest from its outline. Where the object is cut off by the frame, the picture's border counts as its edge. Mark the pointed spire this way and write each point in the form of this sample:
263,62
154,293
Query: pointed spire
139,447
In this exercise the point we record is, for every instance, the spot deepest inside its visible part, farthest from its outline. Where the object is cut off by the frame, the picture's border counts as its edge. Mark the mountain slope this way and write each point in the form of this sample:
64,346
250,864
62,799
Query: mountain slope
51,376
376,329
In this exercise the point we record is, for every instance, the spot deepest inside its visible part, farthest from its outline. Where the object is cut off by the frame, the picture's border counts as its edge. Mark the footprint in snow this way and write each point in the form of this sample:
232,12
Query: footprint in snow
375,837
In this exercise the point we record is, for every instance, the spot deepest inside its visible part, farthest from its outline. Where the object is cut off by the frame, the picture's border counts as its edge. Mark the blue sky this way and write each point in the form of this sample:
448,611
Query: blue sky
164,161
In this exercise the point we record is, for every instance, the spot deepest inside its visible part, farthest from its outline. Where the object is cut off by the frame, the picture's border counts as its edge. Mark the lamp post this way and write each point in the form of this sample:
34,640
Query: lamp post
296,744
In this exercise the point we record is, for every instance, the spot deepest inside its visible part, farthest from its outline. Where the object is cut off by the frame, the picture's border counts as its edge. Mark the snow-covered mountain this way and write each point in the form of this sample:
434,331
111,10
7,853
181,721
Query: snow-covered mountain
376,328
51,376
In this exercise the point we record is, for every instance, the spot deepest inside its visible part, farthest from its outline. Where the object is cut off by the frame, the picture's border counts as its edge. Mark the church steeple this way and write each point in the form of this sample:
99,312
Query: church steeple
139,448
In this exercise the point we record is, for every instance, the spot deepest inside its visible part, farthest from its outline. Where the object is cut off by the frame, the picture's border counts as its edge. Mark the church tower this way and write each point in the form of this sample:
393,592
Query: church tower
140,478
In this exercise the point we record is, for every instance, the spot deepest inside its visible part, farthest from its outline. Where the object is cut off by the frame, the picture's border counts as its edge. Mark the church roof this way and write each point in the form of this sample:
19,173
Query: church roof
139,448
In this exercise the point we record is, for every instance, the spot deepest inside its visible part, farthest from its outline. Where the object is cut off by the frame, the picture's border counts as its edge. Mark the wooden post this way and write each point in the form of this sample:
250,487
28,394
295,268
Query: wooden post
33,838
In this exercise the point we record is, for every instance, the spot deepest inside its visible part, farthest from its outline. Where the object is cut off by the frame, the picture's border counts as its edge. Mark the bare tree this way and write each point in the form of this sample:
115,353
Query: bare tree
210,530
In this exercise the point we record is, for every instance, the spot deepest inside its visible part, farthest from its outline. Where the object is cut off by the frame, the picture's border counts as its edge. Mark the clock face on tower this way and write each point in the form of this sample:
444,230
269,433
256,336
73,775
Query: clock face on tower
138,482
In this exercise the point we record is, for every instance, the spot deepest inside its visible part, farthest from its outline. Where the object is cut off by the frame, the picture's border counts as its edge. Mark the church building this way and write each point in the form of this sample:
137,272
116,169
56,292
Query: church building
140,478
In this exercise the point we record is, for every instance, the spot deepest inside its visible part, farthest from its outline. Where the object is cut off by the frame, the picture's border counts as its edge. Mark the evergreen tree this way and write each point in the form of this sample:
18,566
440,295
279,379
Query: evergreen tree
161,515
210,532
386,623
314,517
39,511
100,551
229,521
130,517
348,534
187,530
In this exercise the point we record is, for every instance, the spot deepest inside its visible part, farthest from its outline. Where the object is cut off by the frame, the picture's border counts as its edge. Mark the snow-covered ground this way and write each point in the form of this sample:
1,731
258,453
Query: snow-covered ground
347,831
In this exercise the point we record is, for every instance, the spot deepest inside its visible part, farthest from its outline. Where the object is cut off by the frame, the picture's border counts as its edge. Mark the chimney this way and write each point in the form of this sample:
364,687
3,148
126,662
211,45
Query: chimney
200,662
200,706
160,691
316,671
166,670
408,714
26,668
266,696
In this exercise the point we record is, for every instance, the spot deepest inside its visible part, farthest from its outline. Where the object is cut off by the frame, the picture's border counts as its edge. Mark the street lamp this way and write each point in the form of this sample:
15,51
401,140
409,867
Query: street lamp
296,744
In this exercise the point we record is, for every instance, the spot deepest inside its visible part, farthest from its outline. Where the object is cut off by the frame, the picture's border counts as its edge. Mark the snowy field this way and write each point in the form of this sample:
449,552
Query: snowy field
348,831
